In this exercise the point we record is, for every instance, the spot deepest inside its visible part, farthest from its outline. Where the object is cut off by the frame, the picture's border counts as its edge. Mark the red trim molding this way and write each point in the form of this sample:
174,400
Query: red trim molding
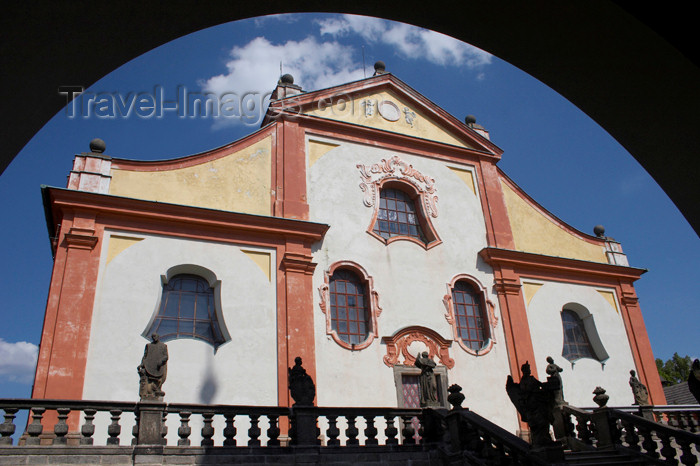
372,295
396,171
397,346
489,309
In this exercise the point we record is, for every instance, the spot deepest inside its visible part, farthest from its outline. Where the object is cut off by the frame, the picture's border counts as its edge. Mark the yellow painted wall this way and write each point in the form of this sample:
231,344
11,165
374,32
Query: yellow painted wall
353,112
238,182
466,176
536,233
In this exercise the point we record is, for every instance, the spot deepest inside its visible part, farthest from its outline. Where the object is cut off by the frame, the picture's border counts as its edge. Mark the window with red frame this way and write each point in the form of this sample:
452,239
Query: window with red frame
576,342
397,216
349,306
469,316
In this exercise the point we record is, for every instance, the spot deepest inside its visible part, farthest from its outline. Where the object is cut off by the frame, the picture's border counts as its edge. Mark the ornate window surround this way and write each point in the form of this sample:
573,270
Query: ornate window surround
214,283
396,173
489,310
372,300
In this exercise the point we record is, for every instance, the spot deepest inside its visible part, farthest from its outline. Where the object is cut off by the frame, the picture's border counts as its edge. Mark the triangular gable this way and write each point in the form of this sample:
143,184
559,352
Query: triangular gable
385,103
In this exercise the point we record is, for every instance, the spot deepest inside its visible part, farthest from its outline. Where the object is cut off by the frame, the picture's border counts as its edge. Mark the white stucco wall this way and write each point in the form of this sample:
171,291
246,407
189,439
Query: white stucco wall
411,282
581,378
128,290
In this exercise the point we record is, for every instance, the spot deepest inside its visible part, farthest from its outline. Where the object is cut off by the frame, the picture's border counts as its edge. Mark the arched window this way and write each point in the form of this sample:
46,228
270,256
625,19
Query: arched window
576,342
350,304
349,314
187,310
404,202
469,315
397,216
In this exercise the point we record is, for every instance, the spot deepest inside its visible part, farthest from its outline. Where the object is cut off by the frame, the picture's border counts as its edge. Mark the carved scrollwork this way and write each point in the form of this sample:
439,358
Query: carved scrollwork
396,168
397,346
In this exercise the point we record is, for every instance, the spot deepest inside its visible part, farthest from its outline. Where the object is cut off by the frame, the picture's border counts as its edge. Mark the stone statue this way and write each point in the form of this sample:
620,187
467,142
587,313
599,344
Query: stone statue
153,369
553,371
428,382
534,401
301,386
694,379
640,392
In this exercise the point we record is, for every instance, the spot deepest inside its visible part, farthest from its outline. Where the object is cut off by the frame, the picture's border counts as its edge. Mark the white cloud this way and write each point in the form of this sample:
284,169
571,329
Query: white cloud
18,361
254,69
410,41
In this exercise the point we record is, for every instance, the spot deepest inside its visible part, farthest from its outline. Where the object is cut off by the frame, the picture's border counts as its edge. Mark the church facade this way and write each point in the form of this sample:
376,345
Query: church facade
360,226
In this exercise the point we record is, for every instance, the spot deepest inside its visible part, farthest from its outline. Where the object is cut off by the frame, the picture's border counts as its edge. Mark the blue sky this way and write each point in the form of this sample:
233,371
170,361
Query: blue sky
556,153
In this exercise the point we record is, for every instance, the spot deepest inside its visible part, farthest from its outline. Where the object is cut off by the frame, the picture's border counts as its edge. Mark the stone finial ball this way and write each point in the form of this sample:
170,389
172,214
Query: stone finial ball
97,145
599,230
379,66
470,119
287,79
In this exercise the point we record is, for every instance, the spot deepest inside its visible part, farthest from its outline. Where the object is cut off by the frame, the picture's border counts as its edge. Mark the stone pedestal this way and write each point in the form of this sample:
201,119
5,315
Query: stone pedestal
150,424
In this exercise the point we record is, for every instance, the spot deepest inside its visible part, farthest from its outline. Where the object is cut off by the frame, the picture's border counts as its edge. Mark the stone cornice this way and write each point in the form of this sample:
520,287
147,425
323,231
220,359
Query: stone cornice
63,200
558,267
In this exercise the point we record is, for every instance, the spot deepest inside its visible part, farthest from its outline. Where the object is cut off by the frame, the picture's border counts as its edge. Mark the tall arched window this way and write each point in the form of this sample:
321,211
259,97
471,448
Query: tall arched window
187,310
397,216
349,307
576,342
470,322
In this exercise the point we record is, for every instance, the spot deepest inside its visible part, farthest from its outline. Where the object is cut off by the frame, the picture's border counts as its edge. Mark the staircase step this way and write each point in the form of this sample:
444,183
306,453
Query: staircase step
583,458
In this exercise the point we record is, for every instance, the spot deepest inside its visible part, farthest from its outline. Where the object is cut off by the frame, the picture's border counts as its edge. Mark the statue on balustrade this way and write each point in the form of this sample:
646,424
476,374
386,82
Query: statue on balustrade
153,369
301,385
639,390
428,382
553,370
534,400
694,379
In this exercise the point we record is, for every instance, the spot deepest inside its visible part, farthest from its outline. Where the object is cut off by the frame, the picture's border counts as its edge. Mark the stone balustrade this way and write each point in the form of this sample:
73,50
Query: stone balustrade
635,429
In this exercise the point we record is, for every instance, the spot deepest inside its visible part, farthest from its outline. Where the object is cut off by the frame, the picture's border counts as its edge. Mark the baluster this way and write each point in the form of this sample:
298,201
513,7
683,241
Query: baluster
391,431
631,437
370,431
35,429
667,450
649,444
114,429
687,457
61,427
273,432
408,431
207,430
229,430
164,428
254,431
693,419
351,432
584,433
135,428
683,421
7,428
333,432
88,428
184,430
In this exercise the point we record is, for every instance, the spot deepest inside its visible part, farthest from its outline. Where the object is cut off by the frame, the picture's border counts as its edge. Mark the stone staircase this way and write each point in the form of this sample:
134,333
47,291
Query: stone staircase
599,457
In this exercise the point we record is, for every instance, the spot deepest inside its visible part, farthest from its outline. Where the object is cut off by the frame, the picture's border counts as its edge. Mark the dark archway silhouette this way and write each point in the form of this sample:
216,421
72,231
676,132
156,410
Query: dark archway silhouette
631,68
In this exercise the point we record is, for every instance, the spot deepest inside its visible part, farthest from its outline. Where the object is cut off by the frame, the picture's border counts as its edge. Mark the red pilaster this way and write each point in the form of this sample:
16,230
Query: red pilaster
640,345
297,327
